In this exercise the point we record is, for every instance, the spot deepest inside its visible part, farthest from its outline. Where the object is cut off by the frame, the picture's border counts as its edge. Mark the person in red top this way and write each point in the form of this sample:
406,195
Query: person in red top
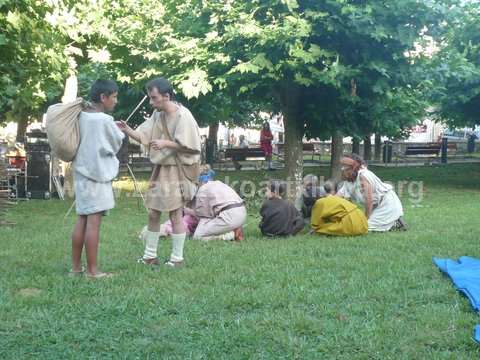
266,138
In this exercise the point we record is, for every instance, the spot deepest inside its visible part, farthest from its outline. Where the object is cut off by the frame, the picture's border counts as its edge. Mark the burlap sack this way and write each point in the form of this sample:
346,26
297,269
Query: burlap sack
63,128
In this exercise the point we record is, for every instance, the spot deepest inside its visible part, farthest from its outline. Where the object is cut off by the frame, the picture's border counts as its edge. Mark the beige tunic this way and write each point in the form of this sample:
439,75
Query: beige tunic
211,199
166,193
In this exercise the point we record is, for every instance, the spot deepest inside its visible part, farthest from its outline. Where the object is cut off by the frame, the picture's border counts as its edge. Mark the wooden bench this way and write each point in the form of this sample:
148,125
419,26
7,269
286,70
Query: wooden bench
308,149
451,148
131,153
428,149
140,163
245,154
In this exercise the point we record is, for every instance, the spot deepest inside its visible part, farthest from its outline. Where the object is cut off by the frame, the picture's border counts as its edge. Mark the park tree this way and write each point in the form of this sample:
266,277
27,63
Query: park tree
34,60
140,40
316,62
332,68
390,115
456,65
42,43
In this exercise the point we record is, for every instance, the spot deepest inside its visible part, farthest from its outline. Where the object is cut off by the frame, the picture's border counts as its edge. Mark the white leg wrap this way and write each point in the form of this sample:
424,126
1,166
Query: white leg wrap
228,236
178,241
151,244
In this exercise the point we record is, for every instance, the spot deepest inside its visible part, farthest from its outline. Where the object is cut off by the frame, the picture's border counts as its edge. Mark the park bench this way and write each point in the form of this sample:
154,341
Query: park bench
428,149
132,154
308,149
424,149
244,154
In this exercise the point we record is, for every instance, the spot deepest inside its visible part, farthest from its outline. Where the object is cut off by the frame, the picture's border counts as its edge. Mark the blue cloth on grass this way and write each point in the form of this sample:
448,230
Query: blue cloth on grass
465,275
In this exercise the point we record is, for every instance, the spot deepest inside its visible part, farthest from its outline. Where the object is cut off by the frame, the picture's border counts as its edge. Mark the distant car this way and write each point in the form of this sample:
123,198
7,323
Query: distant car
461,134
456,134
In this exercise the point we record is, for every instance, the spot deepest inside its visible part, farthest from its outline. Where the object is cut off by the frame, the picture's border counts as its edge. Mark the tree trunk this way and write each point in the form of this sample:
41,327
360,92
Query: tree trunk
378,147
337,153
213,131
355,145
293,151
21,127
293,142
210,154
367,148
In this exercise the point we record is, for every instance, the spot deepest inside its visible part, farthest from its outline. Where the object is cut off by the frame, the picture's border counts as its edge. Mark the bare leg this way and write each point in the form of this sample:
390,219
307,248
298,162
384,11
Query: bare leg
176,217
154,220
92,234
78,240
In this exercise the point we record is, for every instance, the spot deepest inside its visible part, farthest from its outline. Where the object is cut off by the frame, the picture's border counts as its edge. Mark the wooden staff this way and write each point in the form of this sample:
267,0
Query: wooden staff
136,108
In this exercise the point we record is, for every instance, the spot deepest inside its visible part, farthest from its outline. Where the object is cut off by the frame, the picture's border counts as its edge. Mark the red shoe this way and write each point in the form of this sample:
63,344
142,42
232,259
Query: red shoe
238,234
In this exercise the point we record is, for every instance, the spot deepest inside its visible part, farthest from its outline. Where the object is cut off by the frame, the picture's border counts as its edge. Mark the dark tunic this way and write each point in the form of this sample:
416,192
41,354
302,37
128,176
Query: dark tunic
280,218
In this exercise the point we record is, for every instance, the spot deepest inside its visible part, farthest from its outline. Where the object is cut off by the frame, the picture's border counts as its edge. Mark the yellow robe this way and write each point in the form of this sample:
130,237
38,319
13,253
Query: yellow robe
334,215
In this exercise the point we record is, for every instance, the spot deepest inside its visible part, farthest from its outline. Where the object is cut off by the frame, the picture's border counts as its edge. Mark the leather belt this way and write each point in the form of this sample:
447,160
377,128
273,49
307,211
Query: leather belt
232,206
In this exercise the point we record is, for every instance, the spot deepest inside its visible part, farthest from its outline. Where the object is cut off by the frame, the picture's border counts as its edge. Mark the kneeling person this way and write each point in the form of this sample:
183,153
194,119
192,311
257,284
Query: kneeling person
279,217
220,210
334,215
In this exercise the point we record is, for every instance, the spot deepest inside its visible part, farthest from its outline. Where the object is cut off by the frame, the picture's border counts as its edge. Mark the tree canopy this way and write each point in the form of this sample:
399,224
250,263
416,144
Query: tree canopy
456,70
34,58
329,66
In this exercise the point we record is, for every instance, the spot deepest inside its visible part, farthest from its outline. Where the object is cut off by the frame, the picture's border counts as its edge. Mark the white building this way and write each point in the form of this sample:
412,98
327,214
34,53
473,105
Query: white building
252,135
427,131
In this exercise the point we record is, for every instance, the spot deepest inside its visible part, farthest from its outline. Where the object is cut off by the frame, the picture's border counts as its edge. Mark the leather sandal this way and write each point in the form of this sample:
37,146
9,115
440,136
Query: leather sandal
98,275
72,273
151,262
174,264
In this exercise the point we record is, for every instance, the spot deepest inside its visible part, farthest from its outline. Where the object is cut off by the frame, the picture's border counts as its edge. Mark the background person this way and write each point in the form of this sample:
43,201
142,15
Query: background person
266,139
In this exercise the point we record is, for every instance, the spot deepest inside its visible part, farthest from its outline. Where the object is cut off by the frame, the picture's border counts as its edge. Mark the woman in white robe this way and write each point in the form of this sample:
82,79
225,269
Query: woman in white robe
383,208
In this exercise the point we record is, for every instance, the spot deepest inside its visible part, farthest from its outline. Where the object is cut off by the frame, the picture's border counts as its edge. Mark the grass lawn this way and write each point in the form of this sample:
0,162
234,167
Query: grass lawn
308,297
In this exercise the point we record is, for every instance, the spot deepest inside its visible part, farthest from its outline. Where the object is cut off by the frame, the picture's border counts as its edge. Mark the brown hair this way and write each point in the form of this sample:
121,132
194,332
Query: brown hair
163,86
356,157
278,187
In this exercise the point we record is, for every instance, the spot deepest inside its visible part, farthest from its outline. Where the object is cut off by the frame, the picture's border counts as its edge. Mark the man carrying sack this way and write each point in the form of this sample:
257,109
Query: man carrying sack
173,139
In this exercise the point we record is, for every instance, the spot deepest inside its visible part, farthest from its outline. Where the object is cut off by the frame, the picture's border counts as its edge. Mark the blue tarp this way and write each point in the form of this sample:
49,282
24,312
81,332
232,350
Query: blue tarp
465,275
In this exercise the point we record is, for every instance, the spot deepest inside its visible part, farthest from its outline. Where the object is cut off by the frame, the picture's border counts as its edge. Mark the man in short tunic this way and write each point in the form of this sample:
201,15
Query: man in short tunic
172,136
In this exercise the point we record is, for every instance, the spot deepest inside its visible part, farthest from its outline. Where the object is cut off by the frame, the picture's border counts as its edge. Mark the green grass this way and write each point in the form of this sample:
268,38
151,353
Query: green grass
307,297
